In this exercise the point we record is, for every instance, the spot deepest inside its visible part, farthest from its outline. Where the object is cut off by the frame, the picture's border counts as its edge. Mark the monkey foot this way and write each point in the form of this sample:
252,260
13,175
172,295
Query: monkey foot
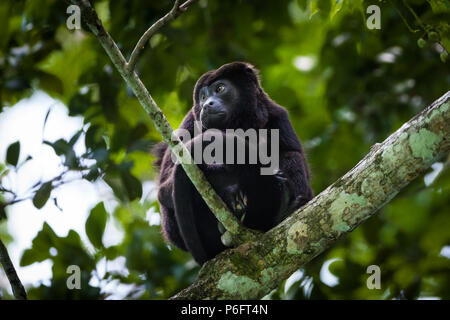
239,204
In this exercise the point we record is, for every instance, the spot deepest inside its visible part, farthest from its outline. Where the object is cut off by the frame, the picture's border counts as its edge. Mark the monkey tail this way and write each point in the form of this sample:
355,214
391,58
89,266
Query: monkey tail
185,215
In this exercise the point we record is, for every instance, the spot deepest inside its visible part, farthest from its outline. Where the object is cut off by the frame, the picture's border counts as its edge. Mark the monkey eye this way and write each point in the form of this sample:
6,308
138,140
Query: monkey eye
220,88
203,96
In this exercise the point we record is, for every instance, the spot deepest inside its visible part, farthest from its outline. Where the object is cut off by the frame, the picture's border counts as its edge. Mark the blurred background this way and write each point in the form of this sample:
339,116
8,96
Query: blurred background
77,185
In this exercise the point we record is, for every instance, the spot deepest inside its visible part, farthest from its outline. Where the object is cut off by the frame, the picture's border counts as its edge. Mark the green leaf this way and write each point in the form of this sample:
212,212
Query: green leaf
421,43
302,4
78,104
113,180
314,8
100,155
112,252
433,36
75,53
40,249
95,225
132,185
50,83
5,13
12,154
93,174
42,195
75,137
2,211
93,138
62,147
336,6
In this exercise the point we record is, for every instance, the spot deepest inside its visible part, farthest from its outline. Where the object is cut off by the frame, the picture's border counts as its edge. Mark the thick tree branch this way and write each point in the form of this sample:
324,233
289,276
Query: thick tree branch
253,269
17,287
218,207
171,15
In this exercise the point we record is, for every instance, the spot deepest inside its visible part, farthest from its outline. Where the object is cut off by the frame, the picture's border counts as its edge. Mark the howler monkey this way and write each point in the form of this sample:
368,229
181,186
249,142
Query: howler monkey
231,97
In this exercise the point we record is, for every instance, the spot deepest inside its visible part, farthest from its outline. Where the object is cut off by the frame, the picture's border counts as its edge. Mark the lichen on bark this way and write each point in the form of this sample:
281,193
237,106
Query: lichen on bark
252,270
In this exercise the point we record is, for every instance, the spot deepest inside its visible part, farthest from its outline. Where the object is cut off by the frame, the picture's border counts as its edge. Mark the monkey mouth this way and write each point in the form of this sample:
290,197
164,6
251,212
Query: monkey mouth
215,113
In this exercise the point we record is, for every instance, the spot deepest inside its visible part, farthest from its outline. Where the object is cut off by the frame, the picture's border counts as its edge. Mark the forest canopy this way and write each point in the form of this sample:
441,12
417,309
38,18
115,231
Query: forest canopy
346,86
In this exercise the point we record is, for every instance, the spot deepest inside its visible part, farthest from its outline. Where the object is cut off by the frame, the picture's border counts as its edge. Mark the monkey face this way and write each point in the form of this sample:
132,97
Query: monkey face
218,102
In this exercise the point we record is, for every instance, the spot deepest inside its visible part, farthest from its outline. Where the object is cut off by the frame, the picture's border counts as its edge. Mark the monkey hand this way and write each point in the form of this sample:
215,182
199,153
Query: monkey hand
236,200
225,182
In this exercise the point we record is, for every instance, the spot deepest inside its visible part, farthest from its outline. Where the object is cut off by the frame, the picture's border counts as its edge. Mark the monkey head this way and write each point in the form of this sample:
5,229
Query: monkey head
227,98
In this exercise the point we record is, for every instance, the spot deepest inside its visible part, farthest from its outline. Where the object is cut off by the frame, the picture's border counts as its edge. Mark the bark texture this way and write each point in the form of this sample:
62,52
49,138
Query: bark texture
253,269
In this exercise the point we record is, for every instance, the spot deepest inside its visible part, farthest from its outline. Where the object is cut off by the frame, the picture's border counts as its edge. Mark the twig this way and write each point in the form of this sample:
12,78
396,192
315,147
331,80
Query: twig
3,189
17,287
415,15
171,15
404,20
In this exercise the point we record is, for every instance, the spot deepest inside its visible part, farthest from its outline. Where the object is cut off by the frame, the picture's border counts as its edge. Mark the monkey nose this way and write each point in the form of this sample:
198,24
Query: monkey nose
208,103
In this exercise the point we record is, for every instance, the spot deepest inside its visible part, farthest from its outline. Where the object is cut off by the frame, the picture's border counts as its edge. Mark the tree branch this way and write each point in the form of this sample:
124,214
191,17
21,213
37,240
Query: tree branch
253,269
17,287
239,233
256,267
170,16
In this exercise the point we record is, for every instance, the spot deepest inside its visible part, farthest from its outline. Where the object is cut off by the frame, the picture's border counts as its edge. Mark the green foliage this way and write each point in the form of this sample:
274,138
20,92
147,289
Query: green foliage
95,225
64,252
346,87
42,195
12,154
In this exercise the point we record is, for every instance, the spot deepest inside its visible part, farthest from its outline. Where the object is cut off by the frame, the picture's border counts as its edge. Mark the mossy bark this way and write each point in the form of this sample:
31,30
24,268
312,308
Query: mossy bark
253,269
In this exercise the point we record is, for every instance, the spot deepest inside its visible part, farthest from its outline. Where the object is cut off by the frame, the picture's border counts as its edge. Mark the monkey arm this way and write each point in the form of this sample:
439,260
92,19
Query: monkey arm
294,183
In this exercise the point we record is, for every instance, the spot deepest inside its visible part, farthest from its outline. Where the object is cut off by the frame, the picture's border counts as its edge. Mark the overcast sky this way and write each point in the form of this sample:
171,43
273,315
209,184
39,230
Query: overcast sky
24,122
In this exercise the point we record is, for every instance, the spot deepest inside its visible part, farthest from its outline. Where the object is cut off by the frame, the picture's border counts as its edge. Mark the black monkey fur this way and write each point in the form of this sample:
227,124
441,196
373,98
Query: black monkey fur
260,201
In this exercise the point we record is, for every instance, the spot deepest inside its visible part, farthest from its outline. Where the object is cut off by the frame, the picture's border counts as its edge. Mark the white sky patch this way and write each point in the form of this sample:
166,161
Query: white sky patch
114,288
445,252
150,192
296,276
390,55
304,63
404,85
24,122
307,285
153,217
430,177
386,57
346,115
340,39
326,276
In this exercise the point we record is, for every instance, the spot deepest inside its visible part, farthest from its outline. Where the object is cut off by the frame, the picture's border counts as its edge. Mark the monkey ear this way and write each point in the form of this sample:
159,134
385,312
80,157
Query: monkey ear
250,69
252,72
